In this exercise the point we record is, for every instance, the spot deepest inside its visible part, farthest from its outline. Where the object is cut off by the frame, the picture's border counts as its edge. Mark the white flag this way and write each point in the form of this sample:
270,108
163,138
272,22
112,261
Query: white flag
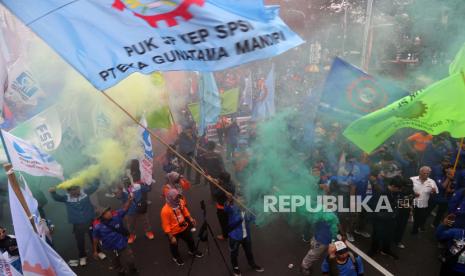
37,257
28,158
6,269
146,162
44,129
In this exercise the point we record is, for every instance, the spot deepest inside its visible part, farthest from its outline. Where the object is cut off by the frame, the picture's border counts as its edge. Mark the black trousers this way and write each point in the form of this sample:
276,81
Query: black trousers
80,231
401,224
446,270
223,219
419,218
441,211
187,169
220,133
124,261
382,234
186,236
234,248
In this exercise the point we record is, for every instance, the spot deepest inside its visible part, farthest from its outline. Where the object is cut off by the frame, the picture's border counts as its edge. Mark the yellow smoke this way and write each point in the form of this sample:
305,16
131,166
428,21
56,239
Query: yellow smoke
109,154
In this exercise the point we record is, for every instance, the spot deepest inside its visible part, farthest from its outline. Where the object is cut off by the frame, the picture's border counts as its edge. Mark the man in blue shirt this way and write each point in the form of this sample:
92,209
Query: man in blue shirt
239,234
343,261
109,230
454,264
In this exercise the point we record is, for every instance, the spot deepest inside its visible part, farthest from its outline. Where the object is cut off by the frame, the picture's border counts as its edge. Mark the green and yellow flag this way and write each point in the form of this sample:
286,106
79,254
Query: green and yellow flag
229,104
160,118
458,64
436,109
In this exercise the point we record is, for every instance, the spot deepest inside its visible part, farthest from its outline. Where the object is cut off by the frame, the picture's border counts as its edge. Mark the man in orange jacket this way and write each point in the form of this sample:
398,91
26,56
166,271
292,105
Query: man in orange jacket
177,223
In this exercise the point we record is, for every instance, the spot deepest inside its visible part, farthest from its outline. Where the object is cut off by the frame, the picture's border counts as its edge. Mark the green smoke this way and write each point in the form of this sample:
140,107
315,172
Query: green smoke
276,168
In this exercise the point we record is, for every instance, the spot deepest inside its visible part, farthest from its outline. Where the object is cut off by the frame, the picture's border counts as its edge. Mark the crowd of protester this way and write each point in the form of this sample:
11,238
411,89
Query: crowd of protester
421,175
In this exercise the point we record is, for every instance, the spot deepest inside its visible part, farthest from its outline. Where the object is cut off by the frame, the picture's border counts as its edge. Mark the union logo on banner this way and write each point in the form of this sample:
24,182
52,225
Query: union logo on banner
155,11
366,95
25,85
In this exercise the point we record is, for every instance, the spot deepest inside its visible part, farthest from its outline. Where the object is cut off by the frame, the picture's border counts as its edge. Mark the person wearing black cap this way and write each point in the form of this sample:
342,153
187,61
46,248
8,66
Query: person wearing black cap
110,232
341,261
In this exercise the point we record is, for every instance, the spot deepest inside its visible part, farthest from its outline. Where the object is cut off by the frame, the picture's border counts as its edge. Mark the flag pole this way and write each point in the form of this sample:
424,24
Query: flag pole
461,140
19,194
458,155
4,147
197,169
14,184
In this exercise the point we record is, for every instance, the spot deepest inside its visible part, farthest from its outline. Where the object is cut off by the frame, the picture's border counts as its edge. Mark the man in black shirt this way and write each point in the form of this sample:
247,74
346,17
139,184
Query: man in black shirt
8,243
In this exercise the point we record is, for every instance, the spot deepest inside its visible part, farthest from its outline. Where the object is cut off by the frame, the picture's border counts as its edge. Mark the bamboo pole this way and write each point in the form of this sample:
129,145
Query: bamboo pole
458,155
196,168
19,194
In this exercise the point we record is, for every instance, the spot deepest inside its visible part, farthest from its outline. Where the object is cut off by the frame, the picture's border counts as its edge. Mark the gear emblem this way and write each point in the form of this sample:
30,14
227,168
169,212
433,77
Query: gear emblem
414,110
157,11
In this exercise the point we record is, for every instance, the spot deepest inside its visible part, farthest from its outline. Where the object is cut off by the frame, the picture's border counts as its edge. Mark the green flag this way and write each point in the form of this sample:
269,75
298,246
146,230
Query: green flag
229,103
436,109
160,118
458,64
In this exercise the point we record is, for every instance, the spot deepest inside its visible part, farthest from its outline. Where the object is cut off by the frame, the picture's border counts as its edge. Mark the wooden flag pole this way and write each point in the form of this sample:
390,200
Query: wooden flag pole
197,169
19,194
458,155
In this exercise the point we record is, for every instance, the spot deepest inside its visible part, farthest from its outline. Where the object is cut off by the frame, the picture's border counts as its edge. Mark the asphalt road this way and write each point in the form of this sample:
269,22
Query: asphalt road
275,246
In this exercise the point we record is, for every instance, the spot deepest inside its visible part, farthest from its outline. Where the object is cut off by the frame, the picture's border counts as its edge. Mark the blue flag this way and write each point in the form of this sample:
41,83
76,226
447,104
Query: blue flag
107,40
264,106
210,102
351,93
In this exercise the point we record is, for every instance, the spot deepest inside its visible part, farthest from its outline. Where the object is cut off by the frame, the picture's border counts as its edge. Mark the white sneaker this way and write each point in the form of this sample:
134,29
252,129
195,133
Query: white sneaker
110,195
83,261
400,245
73,263
102,256
350,237
362,233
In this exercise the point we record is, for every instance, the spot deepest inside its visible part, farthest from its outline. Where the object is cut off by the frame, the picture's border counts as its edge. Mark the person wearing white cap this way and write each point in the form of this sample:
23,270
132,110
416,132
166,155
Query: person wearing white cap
341,261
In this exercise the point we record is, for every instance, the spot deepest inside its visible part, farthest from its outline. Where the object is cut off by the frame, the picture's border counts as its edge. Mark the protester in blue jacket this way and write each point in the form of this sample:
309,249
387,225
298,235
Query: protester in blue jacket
109,230
239,234
454,263
80,212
